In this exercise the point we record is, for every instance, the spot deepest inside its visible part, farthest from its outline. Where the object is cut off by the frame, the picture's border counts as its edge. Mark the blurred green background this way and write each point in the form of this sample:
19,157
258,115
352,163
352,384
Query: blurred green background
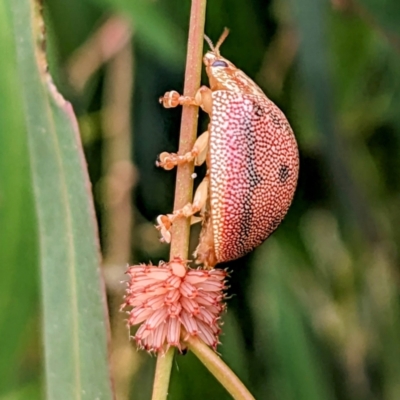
314,312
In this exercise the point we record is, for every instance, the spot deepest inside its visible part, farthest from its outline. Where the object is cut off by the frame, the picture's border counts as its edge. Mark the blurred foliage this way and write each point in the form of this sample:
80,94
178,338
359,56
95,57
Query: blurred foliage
314,312
18,256
50,182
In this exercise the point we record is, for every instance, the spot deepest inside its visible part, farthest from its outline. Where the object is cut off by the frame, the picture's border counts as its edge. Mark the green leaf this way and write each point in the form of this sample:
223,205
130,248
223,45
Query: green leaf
18,255
383,16
298,371
74,312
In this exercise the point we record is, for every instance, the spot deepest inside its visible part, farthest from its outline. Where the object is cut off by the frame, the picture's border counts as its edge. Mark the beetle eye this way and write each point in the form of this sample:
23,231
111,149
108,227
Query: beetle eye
219,63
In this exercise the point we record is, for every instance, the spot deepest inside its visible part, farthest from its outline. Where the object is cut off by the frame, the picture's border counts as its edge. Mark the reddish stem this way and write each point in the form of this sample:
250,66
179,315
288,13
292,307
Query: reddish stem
184,181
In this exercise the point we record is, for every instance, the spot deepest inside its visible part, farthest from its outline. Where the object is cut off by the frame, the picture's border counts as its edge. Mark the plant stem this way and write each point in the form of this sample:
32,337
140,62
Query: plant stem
184,181
219,369
162,375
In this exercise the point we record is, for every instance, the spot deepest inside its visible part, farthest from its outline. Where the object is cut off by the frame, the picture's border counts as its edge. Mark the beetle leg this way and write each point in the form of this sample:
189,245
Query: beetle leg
205,251
202,144
164,222
198,154
174,99
202,98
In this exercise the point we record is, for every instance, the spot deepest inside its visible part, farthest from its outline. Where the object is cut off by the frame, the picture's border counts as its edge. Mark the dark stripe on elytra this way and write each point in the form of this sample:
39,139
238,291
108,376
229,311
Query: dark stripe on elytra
253,177
284,173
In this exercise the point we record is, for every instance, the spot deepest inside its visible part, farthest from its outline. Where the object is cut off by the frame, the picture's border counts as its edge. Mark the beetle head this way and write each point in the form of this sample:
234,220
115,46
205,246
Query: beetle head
223,74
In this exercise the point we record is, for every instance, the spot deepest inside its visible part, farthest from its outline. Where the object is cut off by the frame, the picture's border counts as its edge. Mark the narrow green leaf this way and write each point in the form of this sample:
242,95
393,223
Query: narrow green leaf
18,247
298,371
74,313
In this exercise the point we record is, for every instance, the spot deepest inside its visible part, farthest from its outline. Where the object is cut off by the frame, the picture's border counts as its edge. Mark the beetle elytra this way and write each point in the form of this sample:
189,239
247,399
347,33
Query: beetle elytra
252,163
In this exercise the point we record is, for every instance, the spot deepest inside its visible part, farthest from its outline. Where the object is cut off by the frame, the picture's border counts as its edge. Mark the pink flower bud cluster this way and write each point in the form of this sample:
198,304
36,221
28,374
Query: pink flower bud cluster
171,300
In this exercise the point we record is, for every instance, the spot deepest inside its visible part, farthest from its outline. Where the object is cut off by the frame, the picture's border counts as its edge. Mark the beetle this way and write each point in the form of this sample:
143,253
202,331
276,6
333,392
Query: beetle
252,163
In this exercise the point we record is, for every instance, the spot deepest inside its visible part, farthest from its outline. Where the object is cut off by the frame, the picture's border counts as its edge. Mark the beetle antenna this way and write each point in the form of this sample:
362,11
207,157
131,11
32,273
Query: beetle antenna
221,39
210,43
215,49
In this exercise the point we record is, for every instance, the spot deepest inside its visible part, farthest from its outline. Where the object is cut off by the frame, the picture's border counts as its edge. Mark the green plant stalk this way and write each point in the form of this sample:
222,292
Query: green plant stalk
75,323
219,369
162,374
184,181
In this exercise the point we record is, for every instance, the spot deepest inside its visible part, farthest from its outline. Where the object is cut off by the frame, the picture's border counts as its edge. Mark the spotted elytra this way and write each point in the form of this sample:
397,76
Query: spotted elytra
252,163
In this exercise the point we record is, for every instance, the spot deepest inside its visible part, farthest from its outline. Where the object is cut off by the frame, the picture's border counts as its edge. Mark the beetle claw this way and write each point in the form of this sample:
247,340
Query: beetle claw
173,99
169,160
164,222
